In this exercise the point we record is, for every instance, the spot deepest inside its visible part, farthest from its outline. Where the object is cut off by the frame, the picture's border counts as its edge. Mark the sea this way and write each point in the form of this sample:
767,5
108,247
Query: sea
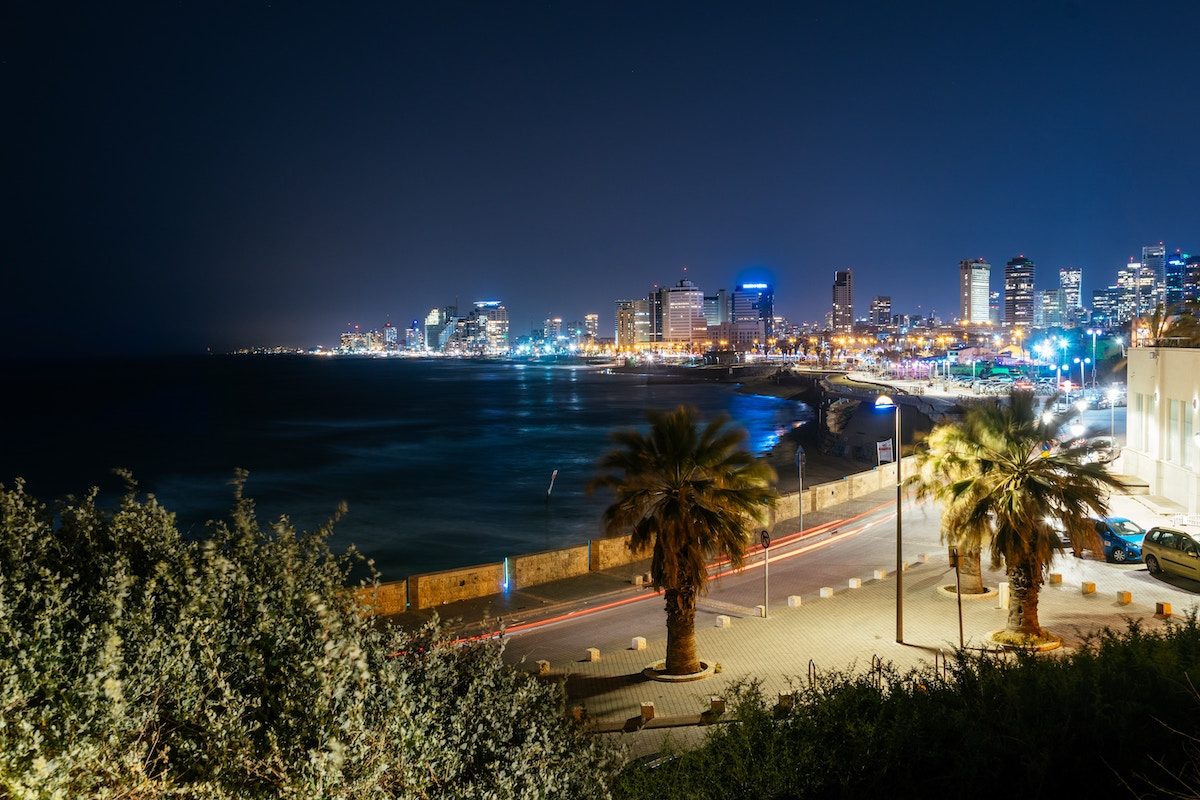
441,463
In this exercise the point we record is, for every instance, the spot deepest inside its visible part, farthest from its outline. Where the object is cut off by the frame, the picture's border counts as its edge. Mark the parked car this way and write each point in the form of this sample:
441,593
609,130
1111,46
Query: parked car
1103,449
1122,539
1168,550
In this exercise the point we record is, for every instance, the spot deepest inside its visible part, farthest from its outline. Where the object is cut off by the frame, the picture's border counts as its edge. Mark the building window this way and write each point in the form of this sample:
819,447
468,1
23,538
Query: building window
1172,447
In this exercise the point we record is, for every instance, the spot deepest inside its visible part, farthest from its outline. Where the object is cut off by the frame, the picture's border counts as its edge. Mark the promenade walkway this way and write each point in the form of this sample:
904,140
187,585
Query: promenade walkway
844,631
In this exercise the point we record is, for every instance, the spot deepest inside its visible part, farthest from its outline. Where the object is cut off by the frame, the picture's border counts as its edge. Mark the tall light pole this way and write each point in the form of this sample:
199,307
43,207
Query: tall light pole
883,402
1093,332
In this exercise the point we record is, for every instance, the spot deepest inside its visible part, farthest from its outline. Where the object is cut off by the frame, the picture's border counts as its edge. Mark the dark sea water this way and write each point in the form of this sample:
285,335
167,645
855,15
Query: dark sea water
442,463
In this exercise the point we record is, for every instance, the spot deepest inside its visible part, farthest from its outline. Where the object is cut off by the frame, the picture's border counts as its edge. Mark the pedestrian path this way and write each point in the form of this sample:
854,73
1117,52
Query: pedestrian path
845,632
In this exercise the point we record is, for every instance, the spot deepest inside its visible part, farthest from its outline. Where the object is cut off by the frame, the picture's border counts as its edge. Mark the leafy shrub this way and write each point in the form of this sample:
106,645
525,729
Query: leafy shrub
136,663
1119,717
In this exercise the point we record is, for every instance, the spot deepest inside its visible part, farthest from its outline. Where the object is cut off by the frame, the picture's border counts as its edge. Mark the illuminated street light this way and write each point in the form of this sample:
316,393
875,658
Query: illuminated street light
884,403
1077,429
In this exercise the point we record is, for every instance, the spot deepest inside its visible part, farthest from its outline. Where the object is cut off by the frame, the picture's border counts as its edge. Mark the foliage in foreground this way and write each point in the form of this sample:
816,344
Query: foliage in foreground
1118,718
136,663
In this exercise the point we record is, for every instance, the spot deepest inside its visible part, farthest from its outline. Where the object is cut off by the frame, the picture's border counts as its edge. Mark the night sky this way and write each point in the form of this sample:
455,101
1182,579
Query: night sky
189,175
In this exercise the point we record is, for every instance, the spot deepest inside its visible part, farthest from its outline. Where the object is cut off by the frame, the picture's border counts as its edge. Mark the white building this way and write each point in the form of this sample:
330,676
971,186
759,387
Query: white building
1161,423
975,289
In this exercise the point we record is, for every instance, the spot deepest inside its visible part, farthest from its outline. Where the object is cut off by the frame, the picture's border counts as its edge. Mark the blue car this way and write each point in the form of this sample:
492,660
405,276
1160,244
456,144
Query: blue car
1122,539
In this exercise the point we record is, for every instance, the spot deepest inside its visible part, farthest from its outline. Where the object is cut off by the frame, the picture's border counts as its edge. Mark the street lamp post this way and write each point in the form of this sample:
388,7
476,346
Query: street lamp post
884,402
1093,332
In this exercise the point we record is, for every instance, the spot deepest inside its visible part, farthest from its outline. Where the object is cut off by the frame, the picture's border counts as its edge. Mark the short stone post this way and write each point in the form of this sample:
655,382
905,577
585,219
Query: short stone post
1124,598
647,711
786,701
593,654
793,601
923,558
1055,578
855,583
1002,595
543,667
1088,587
722,621
1162,609
826,591
716,705
636,580
761,611
880,574
638,643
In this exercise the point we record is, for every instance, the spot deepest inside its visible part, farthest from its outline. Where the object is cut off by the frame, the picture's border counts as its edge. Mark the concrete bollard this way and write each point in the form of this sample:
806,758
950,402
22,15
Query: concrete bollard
647,711
904,565
639,643
1124,598
543,667
880,574
723,621
1055,578
786,701
761,611
826,591
855,583
636,580
593,654
793,601
1002,595
1162,609
923,558
646,579
1088,587
716,705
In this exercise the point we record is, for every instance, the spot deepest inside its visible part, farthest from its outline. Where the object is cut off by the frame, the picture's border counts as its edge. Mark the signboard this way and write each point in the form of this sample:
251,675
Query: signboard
765,538
884,451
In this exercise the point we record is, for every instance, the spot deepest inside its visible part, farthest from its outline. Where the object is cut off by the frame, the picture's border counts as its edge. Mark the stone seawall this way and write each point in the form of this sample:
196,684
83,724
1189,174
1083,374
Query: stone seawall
521,572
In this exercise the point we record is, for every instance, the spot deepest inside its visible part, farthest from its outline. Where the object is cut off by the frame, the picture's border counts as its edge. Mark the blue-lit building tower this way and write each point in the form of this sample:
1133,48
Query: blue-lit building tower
1174,277
754,305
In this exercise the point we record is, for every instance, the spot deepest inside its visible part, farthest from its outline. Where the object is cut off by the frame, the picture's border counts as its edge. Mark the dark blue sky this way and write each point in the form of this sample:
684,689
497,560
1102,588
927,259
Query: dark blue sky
193,174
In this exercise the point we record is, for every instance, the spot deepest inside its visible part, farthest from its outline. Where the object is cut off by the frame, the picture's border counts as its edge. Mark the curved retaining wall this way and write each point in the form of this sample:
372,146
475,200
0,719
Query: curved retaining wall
520,572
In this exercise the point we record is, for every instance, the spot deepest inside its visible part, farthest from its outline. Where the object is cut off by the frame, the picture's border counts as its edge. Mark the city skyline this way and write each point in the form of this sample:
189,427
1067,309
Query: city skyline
198,177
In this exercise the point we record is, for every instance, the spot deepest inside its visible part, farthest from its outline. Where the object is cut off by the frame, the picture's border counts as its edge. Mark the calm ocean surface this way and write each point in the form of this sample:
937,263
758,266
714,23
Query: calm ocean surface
442,463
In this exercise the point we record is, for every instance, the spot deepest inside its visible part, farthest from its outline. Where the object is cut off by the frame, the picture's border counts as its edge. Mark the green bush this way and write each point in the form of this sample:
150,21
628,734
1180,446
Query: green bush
137,663
1118,717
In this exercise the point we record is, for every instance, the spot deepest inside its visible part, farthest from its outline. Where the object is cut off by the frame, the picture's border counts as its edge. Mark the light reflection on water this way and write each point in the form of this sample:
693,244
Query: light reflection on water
442,464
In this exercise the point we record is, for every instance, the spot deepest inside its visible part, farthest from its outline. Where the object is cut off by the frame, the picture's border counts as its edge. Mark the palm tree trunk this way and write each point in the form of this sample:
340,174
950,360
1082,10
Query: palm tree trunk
681,632
1024,584
970,571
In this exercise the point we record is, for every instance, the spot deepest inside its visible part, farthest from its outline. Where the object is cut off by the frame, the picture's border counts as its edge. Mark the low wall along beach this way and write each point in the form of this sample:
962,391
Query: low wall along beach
520,572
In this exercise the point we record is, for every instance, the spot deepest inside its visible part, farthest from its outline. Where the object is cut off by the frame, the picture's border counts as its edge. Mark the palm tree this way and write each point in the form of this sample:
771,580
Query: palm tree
691,493
1004,485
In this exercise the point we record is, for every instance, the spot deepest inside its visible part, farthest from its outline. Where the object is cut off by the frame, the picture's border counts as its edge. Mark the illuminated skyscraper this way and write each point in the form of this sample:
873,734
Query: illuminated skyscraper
974,289
1154,260
754,308
842,316
1018,292
683,313
591,327
626,324
881,311
389,337
1175,276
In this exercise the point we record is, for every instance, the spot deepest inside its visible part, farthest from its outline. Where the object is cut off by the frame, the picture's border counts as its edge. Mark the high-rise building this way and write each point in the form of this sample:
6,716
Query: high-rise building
1070,295
390,343
1047,310
974,289
552,330
1018,292
1106,305
490,326
1154,260
842,314
717,308
626,324
1191,277
753,307
1140,290
881,311
995,306
683,313
414,339
1174,277
655,310
591,327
